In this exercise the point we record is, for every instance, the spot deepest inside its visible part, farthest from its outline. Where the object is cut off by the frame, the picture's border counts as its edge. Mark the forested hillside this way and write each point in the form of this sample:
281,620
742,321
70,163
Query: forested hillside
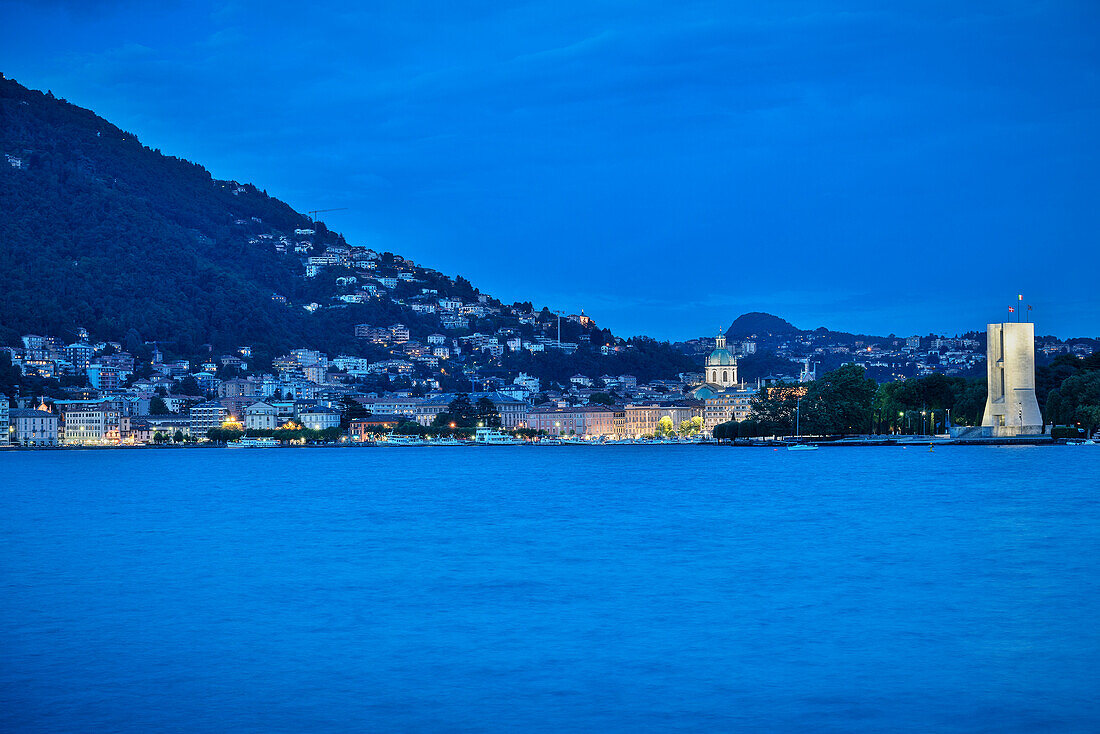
102,232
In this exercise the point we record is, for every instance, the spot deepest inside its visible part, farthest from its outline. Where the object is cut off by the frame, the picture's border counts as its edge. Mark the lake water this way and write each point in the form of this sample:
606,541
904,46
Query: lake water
621,589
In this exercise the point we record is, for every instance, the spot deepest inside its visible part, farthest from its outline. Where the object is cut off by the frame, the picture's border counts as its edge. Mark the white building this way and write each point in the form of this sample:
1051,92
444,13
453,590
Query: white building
261,416
85,426
34,427
318,418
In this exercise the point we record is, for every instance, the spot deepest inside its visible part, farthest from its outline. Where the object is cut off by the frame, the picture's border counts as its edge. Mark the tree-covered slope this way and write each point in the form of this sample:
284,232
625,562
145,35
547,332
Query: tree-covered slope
102,232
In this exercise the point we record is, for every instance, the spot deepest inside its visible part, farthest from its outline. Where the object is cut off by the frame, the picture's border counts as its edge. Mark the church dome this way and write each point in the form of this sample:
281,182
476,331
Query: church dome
721,358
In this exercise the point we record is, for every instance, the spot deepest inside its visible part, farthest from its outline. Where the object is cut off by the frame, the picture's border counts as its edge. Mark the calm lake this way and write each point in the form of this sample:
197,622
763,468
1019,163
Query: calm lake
622,588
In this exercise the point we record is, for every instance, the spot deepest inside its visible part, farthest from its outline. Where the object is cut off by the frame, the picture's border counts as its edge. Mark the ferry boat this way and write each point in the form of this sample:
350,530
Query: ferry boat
248,442
450,441
493,437
397,439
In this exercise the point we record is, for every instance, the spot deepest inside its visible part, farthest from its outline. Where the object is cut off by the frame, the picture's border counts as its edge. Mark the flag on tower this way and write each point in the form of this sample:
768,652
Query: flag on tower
1012,309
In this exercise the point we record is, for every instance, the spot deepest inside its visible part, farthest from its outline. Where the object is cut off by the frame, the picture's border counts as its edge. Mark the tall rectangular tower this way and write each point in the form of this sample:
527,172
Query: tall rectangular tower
1010,405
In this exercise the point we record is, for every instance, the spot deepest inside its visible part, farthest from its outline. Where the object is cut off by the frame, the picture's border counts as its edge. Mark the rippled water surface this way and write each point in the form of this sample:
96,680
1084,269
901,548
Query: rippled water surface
625,588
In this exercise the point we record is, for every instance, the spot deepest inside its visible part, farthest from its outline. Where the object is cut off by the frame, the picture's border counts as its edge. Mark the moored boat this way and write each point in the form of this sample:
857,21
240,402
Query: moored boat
249,442
397,439
493,437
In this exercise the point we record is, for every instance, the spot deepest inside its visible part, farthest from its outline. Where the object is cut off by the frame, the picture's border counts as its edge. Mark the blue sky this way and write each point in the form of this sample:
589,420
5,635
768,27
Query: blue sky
873,167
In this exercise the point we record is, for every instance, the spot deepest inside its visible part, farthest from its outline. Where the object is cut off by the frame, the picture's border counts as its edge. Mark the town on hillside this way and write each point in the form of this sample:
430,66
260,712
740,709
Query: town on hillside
89,392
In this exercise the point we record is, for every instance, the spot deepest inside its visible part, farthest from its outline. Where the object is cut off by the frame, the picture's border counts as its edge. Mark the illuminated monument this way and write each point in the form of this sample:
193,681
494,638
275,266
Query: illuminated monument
1010,405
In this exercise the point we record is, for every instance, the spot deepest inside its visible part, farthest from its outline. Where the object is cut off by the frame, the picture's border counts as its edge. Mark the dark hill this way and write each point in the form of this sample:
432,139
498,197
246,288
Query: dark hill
760,324
102,232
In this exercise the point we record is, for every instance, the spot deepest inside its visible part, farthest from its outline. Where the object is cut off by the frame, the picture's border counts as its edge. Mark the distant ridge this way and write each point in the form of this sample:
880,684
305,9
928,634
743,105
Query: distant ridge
761,324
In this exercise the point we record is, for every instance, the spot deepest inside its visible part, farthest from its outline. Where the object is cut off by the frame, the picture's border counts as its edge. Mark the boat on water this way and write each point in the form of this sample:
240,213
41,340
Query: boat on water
248,442
493,437
397,439
800,446
450,441
1086,442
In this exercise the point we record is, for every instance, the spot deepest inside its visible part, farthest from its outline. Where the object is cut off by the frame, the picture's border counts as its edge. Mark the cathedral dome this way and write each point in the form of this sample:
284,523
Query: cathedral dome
721,358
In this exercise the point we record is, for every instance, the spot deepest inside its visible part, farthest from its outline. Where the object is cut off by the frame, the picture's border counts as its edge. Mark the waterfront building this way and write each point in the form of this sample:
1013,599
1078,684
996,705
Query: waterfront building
394,405
205,416
86,426
135,430
512,412
168,424
34,427
261,416
143,429
318,418
5,421
582,420
364,428
732,404
1011,408
642,419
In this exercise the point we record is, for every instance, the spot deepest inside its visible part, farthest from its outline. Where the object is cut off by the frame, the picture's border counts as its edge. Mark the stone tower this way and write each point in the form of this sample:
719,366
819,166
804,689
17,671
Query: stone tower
1010,405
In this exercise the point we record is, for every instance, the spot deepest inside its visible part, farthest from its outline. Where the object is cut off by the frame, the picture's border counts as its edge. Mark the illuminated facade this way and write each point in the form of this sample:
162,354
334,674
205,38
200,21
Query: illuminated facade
91,426
733,404
1010,407
581,420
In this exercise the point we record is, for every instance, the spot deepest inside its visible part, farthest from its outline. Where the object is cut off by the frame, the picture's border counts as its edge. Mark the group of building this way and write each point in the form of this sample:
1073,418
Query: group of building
310,391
